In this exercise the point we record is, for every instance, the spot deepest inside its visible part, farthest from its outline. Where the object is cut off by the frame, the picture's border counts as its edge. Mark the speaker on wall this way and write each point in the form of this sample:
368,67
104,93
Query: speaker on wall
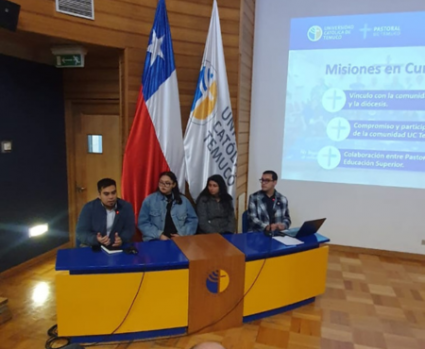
9,14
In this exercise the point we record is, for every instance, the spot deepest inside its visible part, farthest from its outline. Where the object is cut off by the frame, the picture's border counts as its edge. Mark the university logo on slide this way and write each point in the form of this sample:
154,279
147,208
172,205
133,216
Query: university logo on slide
217,281
315,33
205,101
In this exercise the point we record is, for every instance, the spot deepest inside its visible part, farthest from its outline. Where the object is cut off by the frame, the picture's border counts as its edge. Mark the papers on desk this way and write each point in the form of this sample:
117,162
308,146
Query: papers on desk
288,241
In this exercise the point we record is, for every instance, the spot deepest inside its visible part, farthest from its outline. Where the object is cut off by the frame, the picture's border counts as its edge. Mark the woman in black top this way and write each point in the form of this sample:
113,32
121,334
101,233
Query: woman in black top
214,207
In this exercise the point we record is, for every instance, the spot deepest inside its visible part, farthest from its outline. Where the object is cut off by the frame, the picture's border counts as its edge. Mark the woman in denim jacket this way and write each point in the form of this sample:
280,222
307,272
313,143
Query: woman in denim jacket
167,213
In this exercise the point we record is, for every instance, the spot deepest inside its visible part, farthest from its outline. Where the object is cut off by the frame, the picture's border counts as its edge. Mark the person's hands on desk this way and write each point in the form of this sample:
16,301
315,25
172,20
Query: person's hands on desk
280,226
104,240
163,237
276,226
118,241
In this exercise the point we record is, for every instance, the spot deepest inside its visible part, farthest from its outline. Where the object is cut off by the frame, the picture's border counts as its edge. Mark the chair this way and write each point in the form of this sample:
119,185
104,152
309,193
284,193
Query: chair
245,222
76,241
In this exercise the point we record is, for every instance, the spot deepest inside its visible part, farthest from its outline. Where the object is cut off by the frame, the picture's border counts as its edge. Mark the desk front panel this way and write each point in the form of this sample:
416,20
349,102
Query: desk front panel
97,304
284,280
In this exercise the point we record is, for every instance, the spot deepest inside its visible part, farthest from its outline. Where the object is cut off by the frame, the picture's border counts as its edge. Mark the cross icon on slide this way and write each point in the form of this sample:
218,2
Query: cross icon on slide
329,157
338,129
365,29
334,99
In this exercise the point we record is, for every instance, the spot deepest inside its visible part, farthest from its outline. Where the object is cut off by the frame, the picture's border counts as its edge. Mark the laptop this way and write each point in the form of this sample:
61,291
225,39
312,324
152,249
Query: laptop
308,228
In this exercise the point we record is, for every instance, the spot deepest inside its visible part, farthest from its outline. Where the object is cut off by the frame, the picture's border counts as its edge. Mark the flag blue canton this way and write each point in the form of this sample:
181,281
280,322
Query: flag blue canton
155,74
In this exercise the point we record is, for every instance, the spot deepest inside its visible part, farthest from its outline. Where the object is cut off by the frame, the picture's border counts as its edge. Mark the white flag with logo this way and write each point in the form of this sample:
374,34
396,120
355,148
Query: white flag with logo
209,141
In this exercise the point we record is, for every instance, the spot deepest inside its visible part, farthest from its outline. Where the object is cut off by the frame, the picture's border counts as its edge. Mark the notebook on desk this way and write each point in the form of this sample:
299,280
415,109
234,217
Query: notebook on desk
111,249
308,228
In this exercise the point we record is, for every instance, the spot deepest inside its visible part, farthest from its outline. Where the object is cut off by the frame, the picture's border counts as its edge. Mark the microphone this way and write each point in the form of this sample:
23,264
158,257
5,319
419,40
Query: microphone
269,233
272,233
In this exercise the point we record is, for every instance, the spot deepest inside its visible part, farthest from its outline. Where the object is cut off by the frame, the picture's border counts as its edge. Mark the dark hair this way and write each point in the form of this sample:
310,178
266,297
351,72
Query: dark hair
274,174
175,190
222,188
104,183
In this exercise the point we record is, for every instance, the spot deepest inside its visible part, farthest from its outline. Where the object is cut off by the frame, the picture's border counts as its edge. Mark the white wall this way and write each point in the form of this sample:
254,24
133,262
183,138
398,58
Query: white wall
384,218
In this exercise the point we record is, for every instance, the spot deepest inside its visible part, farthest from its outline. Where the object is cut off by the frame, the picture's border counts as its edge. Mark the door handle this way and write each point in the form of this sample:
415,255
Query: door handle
81,189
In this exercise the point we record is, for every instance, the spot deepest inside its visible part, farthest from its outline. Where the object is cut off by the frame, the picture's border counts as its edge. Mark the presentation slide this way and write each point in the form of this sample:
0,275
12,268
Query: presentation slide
355,103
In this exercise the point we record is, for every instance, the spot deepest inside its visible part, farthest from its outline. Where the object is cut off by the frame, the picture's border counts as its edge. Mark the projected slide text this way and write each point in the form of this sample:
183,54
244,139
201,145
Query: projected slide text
355,104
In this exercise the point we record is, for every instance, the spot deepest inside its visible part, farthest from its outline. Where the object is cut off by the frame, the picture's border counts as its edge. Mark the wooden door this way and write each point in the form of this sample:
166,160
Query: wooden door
96,152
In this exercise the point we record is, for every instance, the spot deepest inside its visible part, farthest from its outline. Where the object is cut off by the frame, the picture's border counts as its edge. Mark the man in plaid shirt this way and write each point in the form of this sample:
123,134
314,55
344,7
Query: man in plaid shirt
267,208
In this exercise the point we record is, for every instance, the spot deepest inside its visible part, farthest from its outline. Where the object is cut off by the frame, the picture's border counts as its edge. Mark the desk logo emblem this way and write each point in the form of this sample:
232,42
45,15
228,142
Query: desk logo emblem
217,281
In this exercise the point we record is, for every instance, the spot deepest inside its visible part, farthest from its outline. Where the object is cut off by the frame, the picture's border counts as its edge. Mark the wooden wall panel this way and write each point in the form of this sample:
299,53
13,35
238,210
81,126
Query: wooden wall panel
126,24
99,79
246,46
132,72
110,27
122,23
17,45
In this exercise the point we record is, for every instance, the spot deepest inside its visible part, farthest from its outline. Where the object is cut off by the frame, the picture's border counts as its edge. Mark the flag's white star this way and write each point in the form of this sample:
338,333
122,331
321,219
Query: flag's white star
155,47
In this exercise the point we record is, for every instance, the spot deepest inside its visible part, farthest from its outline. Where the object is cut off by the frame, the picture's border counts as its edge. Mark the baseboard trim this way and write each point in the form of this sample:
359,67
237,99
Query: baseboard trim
34,261
376,252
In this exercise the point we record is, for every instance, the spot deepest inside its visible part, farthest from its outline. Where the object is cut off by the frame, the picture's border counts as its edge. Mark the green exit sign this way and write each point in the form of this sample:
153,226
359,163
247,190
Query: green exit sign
70,61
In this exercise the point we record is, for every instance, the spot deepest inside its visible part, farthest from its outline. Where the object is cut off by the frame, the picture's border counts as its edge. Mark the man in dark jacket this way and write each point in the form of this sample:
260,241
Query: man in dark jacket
106,220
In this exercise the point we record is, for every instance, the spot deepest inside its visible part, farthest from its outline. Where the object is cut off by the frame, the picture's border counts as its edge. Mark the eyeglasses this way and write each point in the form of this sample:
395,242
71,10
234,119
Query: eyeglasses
165,184
265,180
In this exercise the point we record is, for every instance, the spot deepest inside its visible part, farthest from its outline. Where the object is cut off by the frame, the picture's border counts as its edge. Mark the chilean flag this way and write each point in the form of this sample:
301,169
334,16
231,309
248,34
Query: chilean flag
155,143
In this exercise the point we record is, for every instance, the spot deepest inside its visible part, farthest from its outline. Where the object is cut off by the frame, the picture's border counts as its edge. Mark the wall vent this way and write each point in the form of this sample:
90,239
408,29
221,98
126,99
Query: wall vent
79,8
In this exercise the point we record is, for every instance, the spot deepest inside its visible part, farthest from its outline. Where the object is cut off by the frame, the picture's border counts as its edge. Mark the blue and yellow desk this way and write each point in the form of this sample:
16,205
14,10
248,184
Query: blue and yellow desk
95,291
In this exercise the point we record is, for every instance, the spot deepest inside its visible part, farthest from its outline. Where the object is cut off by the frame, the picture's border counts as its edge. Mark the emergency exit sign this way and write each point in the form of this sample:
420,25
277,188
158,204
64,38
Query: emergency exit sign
70,61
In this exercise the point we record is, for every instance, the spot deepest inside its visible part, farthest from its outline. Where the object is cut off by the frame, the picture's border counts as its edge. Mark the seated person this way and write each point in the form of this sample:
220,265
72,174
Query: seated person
267,208
106,220
167,213
214,207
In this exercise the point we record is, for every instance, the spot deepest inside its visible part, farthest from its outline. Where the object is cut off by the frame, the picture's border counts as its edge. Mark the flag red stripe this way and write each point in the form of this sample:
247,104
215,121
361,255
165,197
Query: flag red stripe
143,159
